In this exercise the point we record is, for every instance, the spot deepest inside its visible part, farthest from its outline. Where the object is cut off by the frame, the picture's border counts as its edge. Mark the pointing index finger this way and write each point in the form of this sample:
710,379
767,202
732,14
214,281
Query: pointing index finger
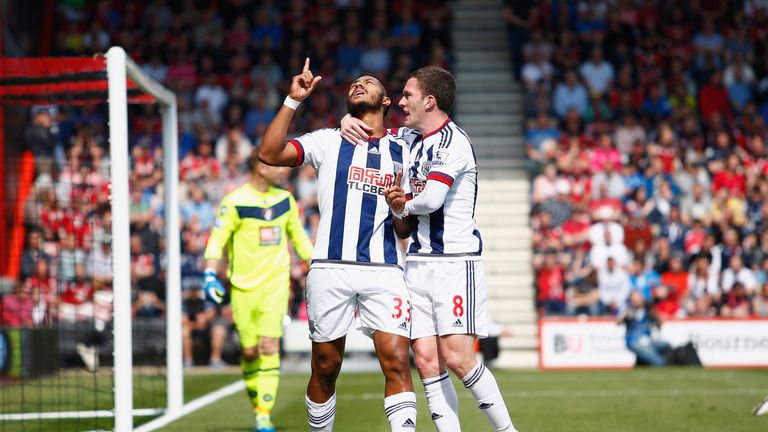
306,65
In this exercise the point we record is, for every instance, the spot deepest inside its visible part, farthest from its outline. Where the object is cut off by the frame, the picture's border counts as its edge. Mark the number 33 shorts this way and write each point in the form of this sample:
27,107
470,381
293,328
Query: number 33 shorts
378,295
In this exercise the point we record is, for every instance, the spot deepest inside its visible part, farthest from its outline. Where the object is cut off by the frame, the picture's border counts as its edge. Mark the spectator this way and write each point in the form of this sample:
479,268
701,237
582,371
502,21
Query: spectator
559,207
737,303
760,303
738,273
40,141
33,252
233,143
642,279
597,72
713,98
17,307
77,297
544,185
199,321
570,94
536,70
551,284
614,286
198,206
640,321
608,250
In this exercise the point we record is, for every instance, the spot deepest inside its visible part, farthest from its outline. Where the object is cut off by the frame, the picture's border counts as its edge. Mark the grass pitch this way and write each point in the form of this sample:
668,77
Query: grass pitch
637,400
674,399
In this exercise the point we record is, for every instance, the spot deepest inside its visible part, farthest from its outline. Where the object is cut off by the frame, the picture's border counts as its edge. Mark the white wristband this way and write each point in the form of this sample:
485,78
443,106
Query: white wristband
291,103
402,215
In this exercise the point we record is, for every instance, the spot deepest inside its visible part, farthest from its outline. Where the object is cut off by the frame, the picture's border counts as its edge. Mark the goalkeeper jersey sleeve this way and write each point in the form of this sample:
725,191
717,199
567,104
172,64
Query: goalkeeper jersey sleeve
254,227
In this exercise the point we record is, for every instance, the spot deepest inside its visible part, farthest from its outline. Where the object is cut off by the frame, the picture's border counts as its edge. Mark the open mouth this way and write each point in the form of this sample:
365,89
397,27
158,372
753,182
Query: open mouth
358,92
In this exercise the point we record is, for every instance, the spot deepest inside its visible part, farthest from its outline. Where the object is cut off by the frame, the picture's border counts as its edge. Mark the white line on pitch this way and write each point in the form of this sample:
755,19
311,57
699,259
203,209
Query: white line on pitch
193,406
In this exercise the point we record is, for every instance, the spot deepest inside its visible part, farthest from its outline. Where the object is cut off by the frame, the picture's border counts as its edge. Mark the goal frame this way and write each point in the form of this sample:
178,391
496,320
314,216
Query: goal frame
119,68
123,83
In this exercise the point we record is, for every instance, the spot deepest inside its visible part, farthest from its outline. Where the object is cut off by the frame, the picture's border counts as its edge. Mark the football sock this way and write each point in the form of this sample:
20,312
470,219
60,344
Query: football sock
267,381
401,411
262,377
443,402
482,385
321,415
250,369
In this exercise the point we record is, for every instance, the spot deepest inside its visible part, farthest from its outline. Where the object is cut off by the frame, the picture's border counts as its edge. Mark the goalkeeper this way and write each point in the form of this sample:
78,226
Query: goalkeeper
253,222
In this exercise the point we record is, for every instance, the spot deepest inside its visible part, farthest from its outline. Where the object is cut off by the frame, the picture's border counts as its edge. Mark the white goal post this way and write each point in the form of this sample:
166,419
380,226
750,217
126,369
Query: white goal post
119,67
125,83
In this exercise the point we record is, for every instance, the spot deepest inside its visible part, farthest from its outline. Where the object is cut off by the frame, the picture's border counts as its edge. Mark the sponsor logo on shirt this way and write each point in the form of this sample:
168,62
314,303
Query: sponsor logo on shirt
369,180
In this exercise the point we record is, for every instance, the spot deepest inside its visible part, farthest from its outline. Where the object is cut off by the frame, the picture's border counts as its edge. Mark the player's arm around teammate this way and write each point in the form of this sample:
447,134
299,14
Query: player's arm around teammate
449,312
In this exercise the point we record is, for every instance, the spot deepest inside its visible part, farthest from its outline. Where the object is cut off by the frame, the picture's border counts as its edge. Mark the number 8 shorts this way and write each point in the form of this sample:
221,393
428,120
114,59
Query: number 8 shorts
449,297
377,294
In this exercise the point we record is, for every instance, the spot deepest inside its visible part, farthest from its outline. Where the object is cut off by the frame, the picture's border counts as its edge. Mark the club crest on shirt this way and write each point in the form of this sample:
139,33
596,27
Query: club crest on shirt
268,214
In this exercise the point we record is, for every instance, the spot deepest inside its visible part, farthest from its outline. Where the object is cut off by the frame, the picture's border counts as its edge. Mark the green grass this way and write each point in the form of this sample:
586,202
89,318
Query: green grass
672,399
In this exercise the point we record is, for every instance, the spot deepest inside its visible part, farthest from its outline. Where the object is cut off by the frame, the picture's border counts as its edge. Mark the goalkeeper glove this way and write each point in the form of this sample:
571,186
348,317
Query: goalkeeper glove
214,291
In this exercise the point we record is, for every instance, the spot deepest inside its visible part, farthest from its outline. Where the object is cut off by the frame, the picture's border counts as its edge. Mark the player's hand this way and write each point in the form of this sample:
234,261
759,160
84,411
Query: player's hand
355,130
214,290
395,195
304,84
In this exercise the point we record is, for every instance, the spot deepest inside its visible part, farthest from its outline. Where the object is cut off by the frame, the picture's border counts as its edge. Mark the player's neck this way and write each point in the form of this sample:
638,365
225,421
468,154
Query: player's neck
259,183
432,123
376,122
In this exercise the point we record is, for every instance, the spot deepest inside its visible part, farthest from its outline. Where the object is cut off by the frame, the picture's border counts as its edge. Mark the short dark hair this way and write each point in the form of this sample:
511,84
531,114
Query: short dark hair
438,82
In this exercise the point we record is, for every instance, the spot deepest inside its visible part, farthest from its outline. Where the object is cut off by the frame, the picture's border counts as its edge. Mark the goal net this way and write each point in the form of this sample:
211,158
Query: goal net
90,302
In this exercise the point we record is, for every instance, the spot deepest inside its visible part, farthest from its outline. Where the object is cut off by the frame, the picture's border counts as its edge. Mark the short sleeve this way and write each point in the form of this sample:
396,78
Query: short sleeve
449,162
312,147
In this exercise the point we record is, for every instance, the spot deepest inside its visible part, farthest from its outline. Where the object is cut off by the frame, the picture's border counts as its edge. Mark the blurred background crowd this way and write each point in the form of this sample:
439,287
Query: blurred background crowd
230,64
646,128
646,148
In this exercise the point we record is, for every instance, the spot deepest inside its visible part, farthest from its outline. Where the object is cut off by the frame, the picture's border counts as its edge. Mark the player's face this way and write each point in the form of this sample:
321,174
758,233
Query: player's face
412,104
366,95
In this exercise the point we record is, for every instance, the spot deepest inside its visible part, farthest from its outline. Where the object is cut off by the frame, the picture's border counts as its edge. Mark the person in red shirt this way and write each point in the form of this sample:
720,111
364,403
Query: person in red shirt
666,303
713,98
737,303
731,177
77,297
551,282
676,278
16,308
576,229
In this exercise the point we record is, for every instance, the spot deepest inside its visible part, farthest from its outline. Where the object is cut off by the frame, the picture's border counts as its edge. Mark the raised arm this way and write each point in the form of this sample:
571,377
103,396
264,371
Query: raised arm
273,149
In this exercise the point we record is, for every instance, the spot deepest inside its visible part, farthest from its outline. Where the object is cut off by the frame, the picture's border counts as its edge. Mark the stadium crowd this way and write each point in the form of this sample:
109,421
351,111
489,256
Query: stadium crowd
229,63
646,129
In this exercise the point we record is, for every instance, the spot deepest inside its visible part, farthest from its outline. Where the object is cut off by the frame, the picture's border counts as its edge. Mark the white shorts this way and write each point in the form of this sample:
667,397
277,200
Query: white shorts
377,294
449,297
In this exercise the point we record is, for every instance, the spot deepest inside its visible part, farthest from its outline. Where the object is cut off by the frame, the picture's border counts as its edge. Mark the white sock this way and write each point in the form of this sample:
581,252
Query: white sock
482,385
443,402
401,411
321,415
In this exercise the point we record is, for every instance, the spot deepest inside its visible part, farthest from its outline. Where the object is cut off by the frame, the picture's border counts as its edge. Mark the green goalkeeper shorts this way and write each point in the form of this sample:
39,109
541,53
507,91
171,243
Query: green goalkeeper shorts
260,312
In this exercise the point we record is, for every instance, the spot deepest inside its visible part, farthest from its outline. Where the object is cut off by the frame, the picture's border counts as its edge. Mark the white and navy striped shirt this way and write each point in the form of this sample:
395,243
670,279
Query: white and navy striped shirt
355,221
445,155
